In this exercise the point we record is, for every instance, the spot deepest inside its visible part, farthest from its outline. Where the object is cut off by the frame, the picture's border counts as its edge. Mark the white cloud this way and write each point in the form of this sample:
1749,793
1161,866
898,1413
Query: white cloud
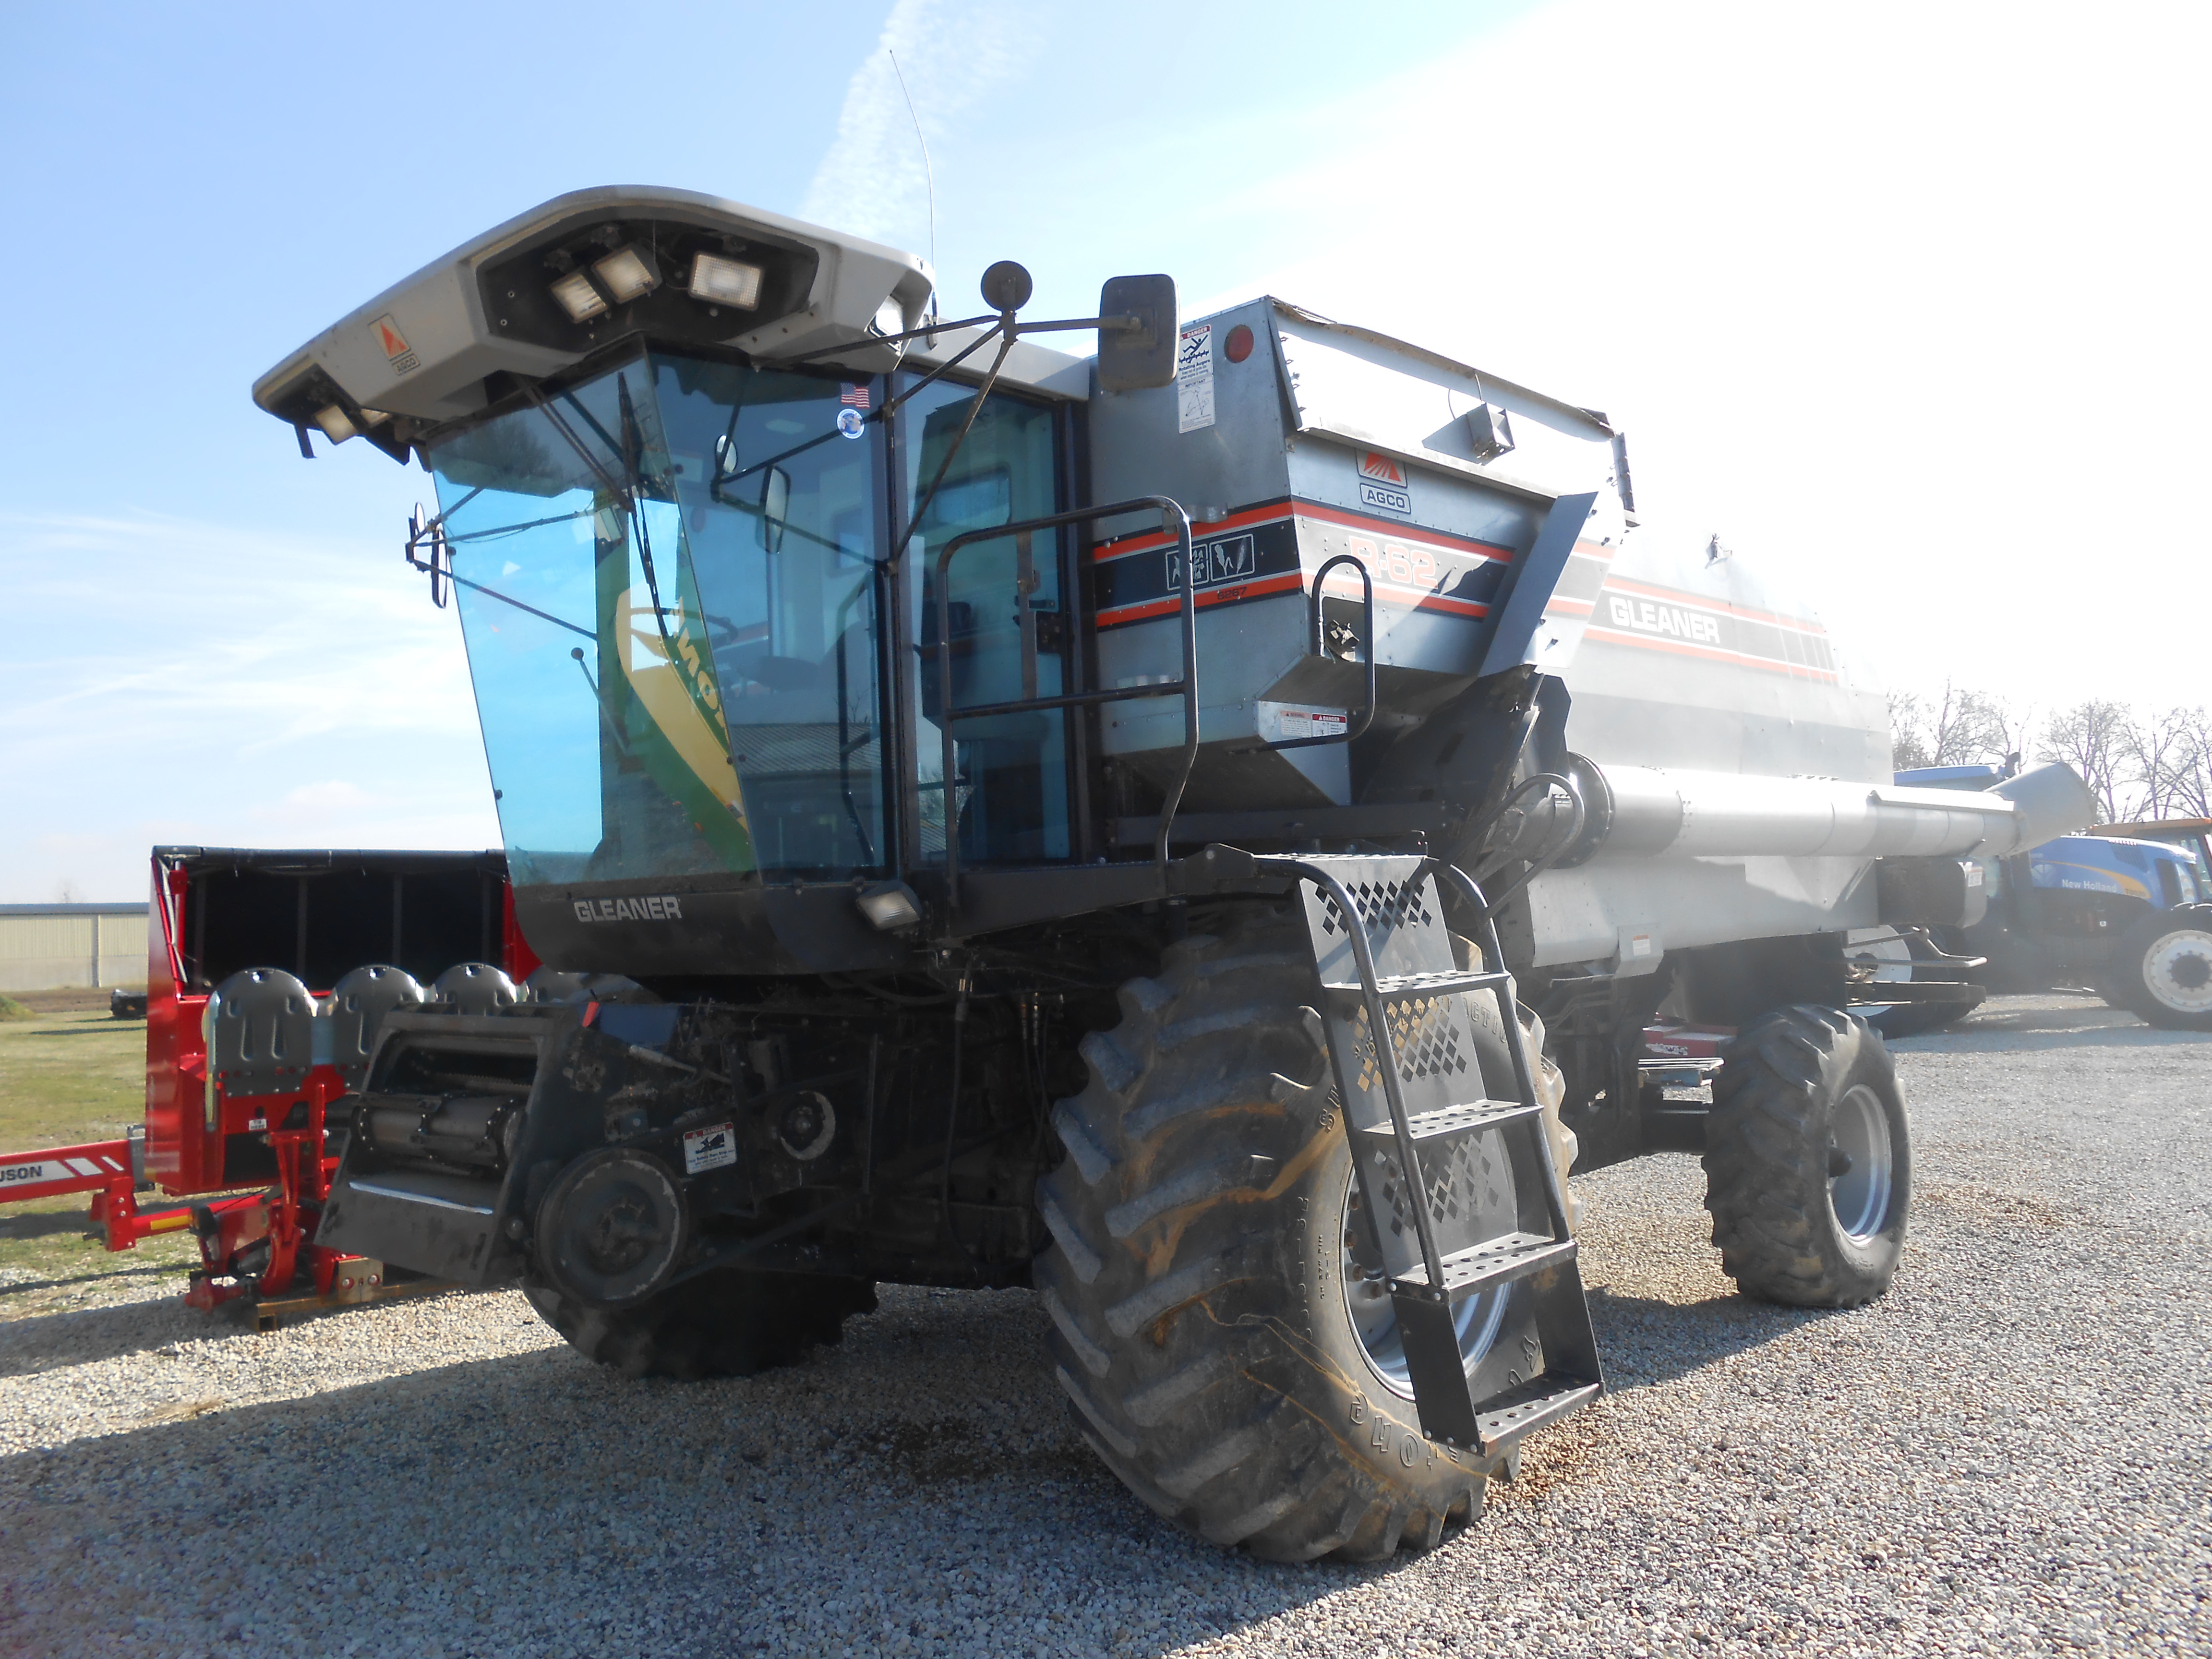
186,682
1901,298
953,53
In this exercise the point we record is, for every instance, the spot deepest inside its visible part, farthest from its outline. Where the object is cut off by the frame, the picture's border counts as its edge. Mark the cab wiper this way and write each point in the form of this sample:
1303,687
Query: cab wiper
508,598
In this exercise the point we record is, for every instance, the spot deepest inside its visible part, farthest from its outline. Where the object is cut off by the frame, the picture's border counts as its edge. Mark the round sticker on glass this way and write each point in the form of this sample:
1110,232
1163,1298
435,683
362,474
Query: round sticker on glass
851,422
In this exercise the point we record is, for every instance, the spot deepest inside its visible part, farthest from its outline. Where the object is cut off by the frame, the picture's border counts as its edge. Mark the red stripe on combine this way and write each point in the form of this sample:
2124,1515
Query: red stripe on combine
1389,528
1404,532
1773,666
1291,581
1699,602
1151,539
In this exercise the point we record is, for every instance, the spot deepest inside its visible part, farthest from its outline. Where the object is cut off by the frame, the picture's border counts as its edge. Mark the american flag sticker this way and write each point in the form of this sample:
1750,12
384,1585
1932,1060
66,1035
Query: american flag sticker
857,396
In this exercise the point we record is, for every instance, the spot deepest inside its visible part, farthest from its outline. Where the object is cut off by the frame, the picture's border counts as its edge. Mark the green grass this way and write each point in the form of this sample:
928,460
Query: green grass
68,1077
11,1009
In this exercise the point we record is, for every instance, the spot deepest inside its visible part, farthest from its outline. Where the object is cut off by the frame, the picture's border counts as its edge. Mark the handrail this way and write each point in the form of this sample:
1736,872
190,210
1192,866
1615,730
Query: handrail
1351,730
1172,517
1386,1063
1517,1040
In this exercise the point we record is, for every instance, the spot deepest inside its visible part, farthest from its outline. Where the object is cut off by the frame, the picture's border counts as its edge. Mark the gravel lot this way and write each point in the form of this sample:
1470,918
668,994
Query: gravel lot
2008,1455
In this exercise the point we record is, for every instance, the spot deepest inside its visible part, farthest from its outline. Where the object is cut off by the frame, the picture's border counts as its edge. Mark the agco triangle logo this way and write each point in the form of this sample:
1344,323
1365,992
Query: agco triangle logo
1382,485
396,352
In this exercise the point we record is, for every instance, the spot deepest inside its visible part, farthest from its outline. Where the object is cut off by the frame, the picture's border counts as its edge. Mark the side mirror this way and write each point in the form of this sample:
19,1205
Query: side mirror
776,507
1137,358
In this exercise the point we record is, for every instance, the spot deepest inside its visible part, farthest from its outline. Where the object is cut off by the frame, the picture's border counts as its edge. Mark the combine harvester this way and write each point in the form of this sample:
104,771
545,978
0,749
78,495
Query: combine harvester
244,1060
1202,829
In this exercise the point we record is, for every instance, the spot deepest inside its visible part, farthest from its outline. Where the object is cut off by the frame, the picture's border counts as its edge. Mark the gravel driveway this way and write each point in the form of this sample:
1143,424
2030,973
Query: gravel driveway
2008,1455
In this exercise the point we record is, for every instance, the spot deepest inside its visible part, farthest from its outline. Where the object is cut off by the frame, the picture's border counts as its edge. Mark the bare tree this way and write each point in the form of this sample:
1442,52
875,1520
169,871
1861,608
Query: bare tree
2175,753
1974,728
2097,740
1908,732
1961,727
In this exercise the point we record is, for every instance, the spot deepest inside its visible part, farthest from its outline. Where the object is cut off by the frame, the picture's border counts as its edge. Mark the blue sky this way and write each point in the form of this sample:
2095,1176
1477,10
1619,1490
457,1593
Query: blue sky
1904,297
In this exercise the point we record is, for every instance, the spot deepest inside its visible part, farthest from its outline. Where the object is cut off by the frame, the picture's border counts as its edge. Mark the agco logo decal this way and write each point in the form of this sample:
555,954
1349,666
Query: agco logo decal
1382,485
662,907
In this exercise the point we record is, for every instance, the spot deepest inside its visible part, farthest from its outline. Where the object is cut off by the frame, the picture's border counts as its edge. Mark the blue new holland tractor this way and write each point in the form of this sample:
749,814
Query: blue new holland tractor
2123,909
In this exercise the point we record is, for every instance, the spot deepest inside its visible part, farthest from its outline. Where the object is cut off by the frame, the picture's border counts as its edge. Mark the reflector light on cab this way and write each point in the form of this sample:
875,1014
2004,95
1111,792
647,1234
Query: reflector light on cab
336,425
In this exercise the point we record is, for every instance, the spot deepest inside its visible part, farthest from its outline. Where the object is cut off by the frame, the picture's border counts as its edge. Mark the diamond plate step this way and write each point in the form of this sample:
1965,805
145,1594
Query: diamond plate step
1422,985
1505,1418
1495,1261
1457,1120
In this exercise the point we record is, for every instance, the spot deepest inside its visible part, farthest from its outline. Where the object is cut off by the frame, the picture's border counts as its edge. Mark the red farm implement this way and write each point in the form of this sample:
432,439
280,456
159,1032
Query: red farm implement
245,1060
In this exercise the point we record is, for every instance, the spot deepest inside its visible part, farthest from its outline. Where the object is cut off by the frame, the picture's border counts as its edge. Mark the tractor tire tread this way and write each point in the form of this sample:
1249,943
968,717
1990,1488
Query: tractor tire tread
1172,1352
1765,1161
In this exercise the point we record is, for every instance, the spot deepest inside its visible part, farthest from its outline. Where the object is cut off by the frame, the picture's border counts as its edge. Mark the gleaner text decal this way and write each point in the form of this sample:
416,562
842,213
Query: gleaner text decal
662,907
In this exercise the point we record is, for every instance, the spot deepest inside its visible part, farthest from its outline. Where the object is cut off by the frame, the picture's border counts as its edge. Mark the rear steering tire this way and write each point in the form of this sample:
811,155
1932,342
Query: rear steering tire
1809,1160
732,1323
1215,1327
2163,969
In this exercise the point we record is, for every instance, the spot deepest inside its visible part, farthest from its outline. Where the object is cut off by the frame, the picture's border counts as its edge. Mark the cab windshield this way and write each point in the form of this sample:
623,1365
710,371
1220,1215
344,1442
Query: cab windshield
668,580
671,580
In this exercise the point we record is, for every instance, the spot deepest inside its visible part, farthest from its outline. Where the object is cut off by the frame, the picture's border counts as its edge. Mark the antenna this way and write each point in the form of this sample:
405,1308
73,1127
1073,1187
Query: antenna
928,178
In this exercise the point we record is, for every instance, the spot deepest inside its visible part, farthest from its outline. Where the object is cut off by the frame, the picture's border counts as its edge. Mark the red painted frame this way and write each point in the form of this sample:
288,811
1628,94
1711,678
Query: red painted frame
190,1124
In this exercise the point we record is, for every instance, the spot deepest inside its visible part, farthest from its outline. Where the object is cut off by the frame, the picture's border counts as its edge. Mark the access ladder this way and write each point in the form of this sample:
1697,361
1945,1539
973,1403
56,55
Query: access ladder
1464,1190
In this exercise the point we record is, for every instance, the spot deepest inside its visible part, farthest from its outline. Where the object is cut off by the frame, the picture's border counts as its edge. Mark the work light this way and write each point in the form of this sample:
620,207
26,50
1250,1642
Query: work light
626,275
578,297
725,281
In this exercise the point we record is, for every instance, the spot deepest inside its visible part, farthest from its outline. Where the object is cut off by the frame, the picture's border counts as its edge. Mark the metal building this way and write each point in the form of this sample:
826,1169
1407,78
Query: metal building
51,947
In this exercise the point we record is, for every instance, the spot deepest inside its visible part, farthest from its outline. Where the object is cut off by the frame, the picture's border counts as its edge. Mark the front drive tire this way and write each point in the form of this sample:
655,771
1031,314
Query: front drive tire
1809,1160
1197,1281
2163,969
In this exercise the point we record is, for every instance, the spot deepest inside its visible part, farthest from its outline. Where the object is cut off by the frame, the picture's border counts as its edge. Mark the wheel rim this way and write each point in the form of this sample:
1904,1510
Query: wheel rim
612,1228
1861,1164
2177,971
1885,949
1373,1316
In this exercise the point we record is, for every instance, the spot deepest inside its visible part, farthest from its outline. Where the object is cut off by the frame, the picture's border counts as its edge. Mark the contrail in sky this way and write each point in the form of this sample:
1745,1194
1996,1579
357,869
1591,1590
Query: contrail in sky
955,54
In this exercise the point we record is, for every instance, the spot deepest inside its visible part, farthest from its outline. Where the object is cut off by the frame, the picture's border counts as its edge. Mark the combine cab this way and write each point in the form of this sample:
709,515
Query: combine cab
1211,830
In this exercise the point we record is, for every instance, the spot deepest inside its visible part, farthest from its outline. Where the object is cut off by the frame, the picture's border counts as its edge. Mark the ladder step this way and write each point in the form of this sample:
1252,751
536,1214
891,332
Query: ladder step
1422,985
1505,1418
1494,1261
1457,1120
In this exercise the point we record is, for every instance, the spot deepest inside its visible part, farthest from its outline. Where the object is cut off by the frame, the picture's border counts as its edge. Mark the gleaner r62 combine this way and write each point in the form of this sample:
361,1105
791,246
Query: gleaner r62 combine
1199,829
